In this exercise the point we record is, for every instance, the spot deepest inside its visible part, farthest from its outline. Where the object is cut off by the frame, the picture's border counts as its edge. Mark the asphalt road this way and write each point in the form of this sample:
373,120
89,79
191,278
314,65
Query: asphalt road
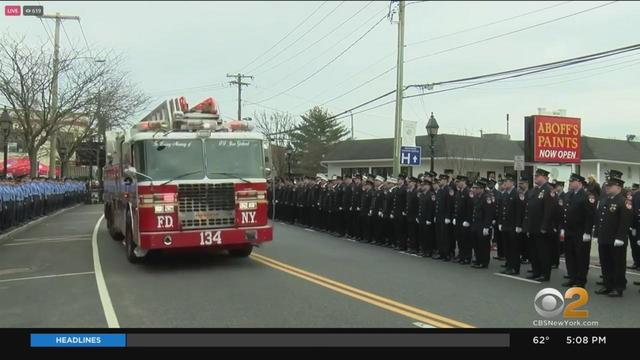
49,277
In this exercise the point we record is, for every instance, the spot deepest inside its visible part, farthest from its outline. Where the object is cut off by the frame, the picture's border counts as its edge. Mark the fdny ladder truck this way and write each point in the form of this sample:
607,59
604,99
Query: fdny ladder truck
184,178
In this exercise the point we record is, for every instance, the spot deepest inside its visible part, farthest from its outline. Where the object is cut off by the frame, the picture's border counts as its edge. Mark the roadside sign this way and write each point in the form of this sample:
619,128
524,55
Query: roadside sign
518,163
410,155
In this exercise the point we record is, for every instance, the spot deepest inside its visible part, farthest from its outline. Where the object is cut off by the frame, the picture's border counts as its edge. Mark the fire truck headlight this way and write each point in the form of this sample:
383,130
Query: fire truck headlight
158,208
248,205
169,208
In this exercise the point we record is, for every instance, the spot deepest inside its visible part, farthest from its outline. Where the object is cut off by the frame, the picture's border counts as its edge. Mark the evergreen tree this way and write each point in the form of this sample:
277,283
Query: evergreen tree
315,136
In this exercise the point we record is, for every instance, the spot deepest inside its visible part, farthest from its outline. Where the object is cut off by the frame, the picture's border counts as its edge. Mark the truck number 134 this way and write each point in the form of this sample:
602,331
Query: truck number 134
209,237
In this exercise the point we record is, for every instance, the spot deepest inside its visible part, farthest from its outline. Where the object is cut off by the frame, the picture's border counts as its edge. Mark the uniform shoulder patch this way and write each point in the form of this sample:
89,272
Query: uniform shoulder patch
433,197
552,193
560,202
471,194
592,199
629,205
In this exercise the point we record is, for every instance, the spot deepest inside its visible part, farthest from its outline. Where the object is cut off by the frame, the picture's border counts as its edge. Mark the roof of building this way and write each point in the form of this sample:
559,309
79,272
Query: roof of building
487,147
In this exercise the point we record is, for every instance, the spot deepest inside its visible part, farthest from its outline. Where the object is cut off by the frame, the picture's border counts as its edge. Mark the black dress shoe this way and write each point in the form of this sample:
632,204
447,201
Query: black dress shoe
615,293
567,277
603,291
529,271
436,257
541,279
503,265
533,277
480,266
633,267
636,283
568,284
599,282
446,259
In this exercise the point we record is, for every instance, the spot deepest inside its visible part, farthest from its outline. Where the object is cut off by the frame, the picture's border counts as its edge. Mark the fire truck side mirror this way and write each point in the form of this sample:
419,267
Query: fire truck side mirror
130,171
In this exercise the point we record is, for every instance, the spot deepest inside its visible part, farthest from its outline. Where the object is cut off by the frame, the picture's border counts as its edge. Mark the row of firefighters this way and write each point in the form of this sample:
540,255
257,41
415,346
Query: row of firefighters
451,219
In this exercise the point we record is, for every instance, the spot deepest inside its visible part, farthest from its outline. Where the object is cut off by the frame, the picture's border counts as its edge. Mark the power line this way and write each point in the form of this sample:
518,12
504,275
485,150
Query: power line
510,32
488,24
85,38
327,64
46,30
334,45
255,69
66,36
322,38
515,73
284,37
465,45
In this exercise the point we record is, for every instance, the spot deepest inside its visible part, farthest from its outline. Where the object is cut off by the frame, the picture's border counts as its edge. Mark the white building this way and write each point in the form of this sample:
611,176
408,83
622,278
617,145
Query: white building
491,154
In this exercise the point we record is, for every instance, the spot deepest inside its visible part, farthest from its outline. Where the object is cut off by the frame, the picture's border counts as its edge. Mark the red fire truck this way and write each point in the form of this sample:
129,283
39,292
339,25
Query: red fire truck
184,178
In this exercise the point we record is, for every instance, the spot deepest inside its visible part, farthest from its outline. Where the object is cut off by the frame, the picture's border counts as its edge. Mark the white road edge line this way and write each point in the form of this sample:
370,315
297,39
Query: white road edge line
310,230
52,238
36,242
105,299
46,276
518,278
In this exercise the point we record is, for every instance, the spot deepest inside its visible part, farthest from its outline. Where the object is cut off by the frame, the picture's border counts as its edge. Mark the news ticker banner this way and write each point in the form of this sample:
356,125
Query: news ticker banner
467,338
552,139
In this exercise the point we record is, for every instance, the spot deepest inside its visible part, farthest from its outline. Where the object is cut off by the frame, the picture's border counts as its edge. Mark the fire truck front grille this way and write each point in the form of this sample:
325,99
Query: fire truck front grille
206,205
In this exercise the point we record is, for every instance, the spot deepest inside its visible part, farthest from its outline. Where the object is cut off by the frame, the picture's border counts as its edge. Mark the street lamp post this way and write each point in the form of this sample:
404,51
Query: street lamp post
289,153
432,130
62,151
5,125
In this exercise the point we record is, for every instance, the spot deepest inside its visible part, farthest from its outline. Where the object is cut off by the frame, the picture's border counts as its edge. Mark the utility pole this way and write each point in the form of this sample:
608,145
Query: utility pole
399,91
238,81
54,88
352,136
507,124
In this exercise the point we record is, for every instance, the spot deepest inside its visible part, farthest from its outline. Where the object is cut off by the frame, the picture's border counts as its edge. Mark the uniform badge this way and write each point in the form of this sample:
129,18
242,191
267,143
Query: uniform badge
613,208
489,200
521,196
433,198
471,195
451,192
560,202
553,194
541,195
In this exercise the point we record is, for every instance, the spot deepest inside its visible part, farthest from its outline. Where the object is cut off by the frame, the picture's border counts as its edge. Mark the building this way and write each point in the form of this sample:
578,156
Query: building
486,156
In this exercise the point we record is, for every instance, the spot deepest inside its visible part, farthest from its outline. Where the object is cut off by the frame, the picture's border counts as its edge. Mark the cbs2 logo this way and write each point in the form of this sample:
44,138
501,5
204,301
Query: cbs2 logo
549,302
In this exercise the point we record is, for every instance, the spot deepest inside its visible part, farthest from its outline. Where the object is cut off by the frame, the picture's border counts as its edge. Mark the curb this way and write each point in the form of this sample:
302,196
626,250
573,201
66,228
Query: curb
37,221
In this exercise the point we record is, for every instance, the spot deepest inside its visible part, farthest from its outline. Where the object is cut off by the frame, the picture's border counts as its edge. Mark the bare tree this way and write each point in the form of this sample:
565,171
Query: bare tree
276,126
26,78
467,157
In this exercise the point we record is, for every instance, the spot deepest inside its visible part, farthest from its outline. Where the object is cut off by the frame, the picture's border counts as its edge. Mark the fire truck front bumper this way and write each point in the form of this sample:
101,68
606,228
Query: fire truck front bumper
206,238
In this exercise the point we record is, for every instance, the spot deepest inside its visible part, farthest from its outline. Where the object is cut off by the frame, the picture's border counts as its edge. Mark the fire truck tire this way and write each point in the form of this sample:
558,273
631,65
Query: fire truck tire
240,253
131,246
115,235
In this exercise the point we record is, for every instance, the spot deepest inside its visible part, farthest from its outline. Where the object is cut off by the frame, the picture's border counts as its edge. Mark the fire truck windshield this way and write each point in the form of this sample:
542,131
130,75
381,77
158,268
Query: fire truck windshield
243,158
166,159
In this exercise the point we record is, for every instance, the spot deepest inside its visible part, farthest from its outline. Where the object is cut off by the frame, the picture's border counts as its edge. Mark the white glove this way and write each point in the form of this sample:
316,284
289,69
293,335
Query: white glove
485,232
493,222
466,224
391,216
618,243
447,221
562,232
543,231
340,208
454,222
370,212
380,214
350,208
417,221
594,239
633,232
638,242
429,223
500,227
518,230
404,213
586,237
357,209
434,219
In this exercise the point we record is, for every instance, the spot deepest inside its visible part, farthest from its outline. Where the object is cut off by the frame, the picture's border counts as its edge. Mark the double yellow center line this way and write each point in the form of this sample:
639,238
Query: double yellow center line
373,299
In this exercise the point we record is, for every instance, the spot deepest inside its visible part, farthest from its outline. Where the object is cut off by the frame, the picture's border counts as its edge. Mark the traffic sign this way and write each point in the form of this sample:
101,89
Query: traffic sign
410,155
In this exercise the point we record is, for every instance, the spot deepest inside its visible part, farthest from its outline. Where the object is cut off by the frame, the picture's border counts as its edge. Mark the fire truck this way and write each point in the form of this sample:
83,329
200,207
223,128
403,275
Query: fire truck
184,178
